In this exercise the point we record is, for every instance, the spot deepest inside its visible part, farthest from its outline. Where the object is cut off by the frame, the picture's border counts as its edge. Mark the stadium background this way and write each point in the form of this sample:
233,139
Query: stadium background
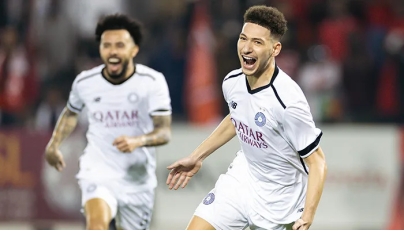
347,55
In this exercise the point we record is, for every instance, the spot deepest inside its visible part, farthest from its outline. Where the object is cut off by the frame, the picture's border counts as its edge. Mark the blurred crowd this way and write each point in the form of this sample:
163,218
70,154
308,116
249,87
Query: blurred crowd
347,55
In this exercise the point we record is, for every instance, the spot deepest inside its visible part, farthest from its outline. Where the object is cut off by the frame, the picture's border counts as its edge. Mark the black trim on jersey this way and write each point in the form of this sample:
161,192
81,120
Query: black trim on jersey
311,146
161,110
304,166
232,76
277,96
148,75
276,71
87,76
75,108
117,83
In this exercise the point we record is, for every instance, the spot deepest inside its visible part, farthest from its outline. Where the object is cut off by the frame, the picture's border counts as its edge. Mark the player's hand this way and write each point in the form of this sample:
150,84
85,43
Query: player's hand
55,158
128,144
182,171
301,224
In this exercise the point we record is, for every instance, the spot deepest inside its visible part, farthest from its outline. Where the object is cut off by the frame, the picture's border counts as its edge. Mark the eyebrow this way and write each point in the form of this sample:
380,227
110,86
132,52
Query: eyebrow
113,42
260,39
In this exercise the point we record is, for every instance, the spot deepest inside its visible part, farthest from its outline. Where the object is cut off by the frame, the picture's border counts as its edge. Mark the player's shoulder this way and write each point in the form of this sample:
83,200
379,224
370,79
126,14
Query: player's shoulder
232,75
287,90
148,72
89,73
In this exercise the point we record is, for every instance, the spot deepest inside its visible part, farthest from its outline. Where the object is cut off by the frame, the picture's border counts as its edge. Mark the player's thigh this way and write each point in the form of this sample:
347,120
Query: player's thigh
135,210
223,207
98,202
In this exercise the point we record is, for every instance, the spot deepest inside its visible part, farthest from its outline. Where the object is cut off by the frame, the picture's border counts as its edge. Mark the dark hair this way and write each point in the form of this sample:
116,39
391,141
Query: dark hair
118,22
268,17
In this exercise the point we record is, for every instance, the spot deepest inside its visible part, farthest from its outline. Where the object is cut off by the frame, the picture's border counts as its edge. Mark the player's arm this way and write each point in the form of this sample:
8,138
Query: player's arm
224,132
301,131
65,125
318,171
183,169
161,133
160,111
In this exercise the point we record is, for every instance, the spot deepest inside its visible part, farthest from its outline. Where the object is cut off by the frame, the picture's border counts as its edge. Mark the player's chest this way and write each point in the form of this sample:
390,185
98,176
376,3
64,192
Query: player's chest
256,111
114,97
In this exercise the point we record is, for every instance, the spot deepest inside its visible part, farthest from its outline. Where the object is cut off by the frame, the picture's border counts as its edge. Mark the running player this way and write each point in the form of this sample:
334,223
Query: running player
268,185
129,113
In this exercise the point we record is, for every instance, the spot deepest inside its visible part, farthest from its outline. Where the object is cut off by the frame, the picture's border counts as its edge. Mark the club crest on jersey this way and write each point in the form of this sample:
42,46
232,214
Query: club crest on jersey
132,97
209,199
260,119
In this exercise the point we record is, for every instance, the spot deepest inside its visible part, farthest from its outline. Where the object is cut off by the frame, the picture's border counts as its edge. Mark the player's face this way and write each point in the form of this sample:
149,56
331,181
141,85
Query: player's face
117,49
255,49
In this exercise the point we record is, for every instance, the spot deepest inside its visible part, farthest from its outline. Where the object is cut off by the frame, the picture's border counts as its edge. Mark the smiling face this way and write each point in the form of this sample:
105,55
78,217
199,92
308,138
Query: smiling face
117,49
256,49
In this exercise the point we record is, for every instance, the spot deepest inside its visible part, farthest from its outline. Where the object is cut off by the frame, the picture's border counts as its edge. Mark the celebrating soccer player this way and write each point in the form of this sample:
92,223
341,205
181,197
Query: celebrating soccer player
129,113
268,185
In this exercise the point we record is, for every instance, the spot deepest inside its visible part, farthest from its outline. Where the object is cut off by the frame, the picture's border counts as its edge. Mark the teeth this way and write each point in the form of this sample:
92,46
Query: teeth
248,58
113,60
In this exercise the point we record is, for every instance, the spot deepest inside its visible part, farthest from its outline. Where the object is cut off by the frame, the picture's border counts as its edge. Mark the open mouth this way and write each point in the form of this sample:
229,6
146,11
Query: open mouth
114,64
248,62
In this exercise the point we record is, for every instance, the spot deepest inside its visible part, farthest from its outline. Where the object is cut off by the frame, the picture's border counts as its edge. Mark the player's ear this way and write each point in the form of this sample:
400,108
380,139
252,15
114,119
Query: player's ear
135,50
277,49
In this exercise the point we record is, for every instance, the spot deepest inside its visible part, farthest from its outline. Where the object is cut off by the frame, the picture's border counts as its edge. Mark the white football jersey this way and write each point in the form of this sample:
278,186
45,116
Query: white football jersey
114,110
276,131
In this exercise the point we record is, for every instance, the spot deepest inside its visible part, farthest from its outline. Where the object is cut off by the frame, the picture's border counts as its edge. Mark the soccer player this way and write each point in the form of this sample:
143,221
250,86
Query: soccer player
268,185
129,112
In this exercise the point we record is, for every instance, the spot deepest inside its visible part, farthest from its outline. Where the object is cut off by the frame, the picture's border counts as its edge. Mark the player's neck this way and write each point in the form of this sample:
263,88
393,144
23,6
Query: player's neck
128,73
263,78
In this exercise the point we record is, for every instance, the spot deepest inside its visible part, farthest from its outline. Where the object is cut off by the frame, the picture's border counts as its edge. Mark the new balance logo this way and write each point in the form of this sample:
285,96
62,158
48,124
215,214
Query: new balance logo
98,99
233,104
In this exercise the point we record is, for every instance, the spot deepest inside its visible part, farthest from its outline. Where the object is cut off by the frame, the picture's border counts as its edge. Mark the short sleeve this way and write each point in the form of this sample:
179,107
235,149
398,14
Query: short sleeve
159,100
224,92
75,103
225,84
300,129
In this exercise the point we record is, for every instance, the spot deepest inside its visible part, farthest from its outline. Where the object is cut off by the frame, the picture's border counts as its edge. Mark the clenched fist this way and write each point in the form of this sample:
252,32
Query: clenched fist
55,158
128,144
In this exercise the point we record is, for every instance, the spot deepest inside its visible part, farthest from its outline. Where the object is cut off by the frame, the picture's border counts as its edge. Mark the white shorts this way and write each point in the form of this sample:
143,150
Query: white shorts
132,211
227,206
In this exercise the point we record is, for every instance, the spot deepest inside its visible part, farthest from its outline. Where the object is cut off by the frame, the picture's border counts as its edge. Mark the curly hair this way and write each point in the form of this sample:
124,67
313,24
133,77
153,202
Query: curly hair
268,17
118,22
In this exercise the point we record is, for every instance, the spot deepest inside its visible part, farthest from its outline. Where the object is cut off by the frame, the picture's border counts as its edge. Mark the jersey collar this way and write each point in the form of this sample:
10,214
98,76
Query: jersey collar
118,83
276,71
